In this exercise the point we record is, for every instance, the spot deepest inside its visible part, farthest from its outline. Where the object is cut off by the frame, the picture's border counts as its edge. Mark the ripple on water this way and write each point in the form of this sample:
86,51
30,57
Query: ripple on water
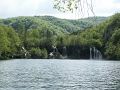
59,75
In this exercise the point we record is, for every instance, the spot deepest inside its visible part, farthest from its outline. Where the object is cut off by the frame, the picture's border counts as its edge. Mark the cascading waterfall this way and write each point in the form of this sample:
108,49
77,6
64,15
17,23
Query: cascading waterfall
95,53
64,55
55,50
90,53
25,51
56,54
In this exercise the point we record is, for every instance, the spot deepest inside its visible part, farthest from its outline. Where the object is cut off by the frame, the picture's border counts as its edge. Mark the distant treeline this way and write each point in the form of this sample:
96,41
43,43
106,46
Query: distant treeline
34,37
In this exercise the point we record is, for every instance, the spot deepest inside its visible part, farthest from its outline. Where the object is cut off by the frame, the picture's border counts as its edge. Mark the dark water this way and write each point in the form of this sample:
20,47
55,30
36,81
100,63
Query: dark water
59,75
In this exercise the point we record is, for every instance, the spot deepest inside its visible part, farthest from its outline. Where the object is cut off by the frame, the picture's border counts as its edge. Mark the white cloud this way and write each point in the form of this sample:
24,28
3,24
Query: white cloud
106,7
12,8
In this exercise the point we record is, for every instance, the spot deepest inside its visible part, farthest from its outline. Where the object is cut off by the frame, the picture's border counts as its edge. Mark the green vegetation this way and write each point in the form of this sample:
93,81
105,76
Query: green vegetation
38,53
9,42
34,37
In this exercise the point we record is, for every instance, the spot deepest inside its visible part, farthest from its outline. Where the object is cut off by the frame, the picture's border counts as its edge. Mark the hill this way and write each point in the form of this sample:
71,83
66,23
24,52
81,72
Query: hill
74,25
105,37
56,24
37,35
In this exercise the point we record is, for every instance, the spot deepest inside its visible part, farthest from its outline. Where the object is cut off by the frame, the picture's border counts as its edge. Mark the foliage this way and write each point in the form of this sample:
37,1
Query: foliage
34,37
74,5
9,42
113,46
38,53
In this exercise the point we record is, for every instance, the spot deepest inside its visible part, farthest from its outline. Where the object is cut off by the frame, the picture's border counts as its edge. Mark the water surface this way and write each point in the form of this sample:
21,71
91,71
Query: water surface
59,75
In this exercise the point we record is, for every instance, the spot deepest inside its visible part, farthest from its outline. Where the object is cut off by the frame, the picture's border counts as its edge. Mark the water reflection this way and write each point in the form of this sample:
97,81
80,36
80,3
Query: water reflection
59,75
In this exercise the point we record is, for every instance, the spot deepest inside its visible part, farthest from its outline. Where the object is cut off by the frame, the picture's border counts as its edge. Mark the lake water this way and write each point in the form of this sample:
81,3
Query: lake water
59,75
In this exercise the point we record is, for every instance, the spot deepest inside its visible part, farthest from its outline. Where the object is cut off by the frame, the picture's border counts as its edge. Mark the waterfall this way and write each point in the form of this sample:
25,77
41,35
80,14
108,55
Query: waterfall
55,53
95,53
90,53
64,55
25,51
55,50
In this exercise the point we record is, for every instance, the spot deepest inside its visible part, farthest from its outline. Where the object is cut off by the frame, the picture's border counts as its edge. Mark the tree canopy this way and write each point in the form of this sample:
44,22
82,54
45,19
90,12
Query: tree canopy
37,37
79,6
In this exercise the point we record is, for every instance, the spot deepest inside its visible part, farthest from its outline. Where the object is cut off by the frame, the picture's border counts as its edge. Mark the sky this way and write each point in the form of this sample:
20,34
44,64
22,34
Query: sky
14,8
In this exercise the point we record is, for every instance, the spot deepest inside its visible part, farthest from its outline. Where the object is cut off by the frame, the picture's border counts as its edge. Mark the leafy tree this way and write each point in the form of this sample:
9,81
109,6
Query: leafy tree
9,42
38,53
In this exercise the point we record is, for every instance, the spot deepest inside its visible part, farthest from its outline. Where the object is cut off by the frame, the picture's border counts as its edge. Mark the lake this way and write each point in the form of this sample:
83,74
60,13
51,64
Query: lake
39,74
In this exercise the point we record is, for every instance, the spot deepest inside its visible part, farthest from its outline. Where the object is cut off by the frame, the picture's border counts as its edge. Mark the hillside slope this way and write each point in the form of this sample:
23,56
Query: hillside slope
74,25
105,37
37,35
55,24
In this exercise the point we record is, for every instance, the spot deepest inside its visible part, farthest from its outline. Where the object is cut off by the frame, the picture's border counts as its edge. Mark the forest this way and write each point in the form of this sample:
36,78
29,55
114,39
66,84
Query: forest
37,36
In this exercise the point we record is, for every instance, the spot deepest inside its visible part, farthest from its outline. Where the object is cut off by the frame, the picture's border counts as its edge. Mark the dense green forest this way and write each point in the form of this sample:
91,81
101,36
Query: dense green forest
38,36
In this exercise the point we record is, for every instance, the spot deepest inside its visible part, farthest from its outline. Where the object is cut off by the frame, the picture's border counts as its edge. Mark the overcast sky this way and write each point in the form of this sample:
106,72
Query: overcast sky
13,8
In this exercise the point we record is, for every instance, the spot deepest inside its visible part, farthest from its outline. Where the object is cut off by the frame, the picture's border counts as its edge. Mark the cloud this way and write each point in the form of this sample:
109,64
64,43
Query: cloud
116,1
106,7
11,8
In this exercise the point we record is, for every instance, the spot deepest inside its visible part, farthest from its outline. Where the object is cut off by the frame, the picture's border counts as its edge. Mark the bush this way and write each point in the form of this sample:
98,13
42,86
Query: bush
38,53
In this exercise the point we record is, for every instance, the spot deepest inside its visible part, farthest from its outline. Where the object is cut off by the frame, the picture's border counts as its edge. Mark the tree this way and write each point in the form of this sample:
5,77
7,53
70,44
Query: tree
81,6
38,53
9,42
4,43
